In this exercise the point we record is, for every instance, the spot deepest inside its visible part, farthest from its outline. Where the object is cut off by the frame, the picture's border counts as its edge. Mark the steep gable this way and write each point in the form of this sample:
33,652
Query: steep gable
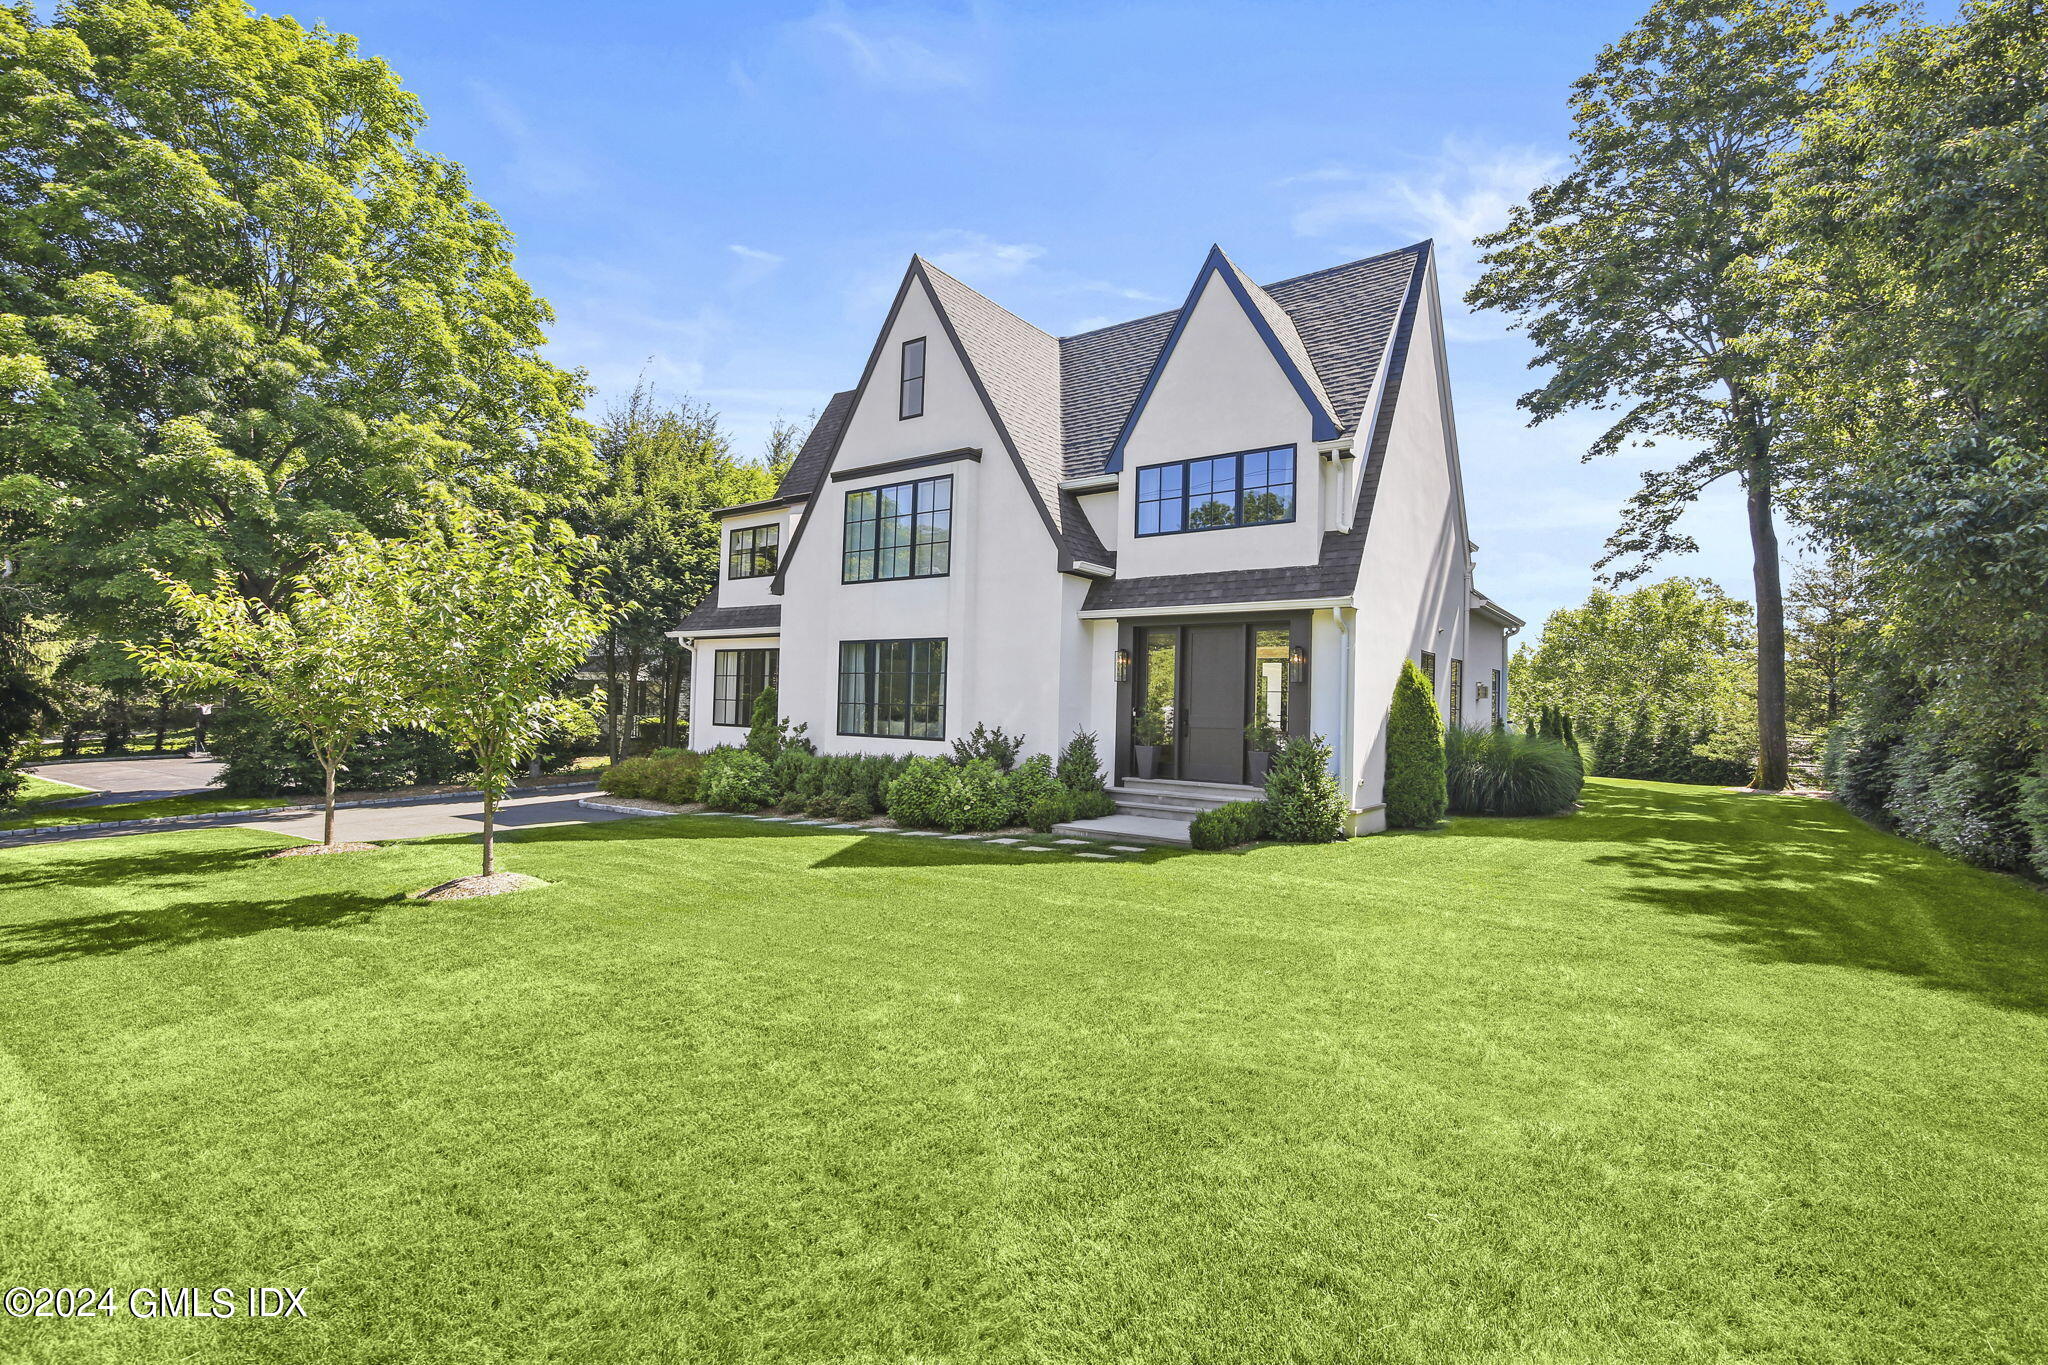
1274,328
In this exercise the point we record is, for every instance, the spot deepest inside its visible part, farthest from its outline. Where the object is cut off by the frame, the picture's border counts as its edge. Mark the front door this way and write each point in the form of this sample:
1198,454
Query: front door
1214,706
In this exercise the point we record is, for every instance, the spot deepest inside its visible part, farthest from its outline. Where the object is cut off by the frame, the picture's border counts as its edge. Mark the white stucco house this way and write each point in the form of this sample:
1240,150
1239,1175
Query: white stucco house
1251,502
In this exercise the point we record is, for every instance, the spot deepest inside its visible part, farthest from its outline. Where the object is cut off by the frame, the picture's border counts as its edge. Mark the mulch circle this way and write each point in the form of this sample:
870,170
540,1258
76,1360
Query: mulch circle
314,850
468,888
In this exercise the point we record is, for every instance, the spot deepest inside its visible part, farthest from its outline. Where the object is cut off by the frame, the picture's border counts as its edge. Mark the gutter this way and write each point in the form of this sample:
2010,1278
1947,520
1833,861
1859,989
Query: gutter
1216,608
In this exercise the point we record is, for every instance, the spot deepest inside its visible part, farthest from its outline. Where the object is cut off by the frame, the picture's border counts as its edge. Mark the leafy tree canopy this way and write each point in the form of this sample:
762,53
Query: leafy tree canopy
1679,650
241,311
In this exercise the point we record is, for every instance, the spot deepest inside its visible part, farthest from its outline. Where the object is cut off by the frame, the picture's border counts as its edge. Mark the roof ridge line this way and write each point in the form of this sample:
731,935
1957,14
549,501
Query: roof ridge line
1346,265
933,269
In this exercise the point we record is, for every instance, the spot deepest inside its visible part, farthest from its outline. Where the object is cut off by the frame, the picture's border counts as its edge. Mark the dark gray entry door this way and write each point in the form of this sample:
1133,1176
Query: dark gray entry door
1213,704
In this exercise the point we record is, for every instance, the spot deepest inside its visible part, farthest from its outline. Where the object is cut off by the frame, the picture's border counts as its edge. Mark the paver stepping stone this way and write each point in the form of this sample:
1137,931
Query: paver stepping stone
1110,856
1073,841
848,826
1038,848
1006,841
1128,848
963,836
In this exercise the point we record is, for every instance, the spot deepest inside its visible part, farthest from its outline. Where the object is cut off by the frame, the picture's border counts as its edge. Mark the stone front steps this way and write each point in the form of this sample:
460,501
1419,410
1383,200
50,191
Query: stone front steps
1158,811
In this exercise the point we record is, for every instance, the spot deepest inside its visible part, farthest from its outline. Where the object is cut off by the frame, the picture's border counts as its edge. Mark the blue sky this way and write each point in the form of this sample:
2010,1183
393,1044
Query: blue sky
725,195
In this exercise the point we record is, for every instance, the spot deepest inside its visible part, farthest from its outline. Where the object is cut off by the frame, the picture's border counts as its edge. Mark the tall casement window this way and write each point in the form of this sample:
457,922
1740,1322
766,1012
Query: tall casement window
1250,488
751,551
738,678
1429,668
1457,691
1493,694
902,531
893,688
910,401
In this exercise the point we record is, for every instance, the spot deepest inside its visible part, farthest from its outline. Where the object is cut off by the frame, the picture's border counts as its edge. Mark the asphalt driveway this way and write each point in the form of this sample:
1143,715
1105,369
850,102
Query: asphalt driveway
427,817
131,779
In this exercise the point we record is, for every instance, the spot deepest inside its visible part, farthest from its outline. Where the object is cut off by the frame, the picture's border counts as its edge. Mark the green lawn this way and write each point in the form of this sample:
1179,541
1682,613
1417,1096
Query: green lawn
1689,1077
35,790
197,804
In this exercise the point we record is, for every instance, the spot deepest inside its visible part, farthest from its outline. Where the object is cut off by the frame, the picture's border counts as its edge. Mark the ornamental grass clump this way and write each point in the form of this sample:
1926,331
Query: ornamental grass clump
1502,772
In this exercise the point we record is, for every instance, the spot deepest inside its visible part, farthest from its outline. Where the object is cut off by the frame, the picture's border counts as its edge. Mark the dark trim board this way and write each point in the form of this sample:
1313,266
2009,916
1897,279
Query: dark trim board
914,462
764,505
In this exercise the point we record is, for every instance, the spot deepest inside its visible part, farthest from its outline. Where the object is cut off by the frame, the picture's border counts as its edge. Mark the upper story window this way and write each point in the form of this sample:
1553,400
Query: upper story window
751,551
903,530
911,401
1251,488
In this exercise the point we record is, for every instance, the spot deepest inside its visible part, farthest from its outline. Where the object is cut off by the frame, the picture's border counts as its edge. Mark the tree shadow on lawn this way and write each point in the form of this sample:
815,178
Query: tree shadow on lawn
181,923
870,847
1799,880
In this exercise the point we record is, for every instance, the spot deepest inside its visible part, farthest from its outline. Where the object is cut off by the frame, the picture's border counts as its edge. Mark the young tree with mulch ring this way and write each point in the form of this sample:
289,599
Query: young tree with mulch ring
1416,788
481,617
310,665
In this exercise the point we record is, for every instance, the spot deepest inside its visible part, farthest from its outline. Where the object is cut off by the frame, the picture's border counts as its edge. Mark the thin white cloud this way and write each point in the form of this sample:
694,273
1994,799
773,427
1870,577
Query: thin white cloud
754,265
1321,175
891,51
973,256
541,163
1461,191
1117,291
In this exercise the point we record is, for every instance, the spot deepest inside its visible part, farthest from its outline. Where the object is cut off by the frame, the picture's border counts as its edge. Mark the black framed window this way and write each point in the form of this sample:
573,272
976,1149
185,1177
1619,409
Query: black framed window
1457,691
1248,488
910,403
893,688
738,678
1429,668
1494,695
904,530
751,551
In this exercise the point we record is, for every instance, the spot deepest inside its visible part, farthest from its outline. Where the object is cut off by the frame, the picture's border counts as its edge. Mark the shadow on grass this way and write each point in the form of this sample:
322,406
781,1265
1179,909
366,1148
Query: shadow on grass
180,924
1797,880
870,847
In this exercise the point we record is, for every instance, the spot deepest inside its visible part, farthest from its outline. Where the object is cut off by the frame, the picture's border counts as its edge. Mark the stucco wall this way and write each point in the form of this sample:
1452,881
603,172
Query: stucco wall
749,592
1221,391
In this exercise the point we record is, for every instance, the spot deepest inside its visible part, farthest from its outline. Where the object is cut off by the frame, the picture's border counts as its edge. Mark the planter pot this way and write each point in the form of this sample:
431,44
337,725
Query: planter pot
1261,764
1147,757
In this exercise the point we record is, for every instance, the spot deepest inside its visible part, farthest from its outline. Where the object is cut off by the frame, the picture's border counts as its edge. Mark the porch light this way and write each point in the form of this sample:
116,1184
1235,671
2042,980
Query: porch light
1123,665
1297,663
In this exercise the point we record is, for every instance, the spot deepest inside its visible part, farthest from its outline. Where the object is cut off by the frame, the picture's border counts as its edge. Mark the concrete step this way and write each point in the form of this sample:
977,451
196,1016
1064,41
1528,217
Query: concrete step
1158,810
1128,829
1223,791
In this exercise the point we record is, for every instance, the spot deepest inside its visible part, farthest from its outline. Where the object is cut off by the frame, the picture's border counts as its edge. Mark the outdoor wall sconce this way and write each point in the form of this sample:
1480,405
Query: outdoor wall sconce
1123,665
1297,663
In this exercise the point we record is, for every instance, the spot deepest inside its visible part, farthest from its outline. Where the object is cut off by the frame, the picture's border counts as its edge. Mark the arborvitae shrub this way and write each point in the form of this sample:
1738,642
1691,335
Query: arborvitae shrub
1080,767
1415,794
1304,804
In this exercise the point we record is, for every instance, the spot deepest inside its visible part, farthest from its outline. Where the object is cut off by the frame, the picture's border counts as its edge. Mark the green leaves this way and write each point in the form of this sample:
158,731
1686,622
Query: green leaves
235,295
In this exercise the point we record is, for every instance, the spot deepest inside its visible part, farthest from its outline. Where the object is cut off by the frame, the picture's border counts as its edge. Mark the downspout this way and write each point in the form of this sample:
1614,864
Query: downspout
1345,726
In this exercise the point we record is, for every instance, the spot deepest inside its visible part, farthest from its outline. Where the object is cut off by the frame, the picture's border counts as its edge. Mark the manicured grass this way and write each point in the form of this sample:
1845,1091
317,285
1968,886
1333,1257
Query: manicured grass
198,804
142,744
35,790
1689,1077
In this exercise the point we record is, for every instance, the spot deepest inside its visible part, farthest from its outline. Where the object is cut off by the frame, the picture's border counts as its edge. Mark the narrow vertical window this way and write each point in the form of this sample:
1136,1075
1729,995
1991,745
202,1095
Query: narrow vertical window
911,403
1429,668
1499,701
1457,691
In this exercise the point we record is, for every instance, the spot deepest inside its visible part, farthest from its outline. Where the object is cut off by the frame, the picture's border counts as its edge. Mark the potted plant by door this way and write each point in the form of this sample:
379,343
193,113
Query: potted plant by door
1261,738
1148,737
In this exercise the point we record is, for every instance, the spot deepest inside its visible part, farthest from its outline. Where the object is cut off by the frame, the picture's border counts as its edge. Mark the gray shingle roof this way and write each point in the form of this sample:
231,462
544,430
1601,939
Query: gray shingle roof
800,480
1063,402
708,615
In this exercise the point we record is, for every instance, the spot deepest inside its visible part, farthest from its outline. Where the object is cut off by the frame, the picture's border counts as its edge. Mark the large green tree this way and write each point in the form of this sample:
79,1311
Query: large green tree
666,466
1679,651
241,311
1913,226
1633,274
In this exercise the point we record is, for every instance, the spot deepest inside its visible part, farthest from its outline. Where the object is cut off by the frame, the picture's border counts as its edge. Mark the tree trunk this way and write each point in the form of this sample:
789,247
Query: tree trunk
327,826
490,833
612,743
672,695
636,698
1772,758
198,730
163,722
